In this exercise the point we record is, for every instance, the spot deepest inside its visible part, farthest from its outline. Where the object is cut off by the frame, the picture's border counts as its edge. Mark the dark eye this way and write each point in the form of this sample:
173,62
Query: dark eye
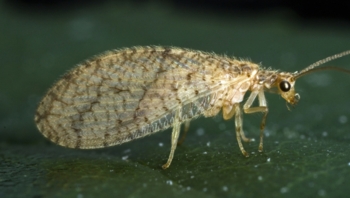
284,86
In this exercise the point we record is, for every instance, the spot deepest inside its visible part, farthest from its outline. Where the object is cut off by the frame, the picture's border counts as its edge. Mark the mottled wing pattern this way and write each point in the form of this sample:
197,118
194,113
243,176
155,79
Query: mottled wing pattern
126,94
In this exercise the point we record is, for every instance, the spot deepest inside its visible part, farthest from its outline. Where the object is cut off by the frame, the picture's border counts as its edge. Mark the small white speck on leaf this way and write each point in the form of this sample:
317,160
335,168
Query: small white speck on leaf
343,119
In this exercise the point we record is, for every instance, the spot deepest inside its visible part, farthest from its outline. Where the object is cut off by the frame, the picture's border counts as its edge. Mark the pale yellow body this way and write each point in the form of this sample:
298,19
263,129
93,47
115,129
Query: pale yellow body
127,94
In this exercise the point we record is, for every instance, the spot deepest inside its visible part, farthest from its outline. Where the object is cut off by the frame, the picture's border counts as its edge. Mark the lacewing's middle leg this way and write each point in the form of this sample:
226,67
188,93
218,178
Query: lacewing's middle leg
261,108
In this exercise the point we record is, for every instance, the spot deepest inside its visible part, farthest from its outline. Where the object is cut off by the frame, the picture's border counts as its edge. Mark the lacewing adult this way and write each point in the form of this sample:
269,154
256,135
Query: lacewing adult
126,94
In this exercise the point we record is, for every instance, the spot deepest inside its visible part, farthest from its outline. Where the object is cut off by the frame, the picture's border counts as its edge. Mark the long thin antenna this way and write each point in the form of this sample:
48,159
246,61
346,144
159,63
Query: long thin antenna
311,67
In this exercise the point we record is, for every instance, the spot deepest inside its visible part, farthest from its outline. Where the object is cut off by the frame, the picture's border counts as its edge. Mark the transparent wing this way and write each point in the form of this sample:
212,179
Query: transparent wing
126,94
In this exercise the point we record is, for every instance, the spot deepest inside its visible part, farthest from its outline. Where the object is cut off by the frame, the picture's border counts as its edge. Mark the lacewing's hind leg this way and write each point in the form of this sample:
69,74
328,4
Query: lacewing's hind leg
174,137
261,108
183,136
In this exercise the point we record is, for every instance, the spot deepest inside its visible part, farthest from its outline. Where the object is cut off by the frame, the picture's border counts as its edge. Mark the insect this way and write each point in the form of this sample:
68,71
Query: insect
126,94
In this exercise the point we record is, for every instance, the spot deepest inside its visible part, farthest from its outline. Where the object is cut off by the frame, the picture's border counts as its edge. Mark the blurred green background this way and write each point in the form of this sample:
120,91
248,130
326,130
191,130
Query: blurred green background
307,149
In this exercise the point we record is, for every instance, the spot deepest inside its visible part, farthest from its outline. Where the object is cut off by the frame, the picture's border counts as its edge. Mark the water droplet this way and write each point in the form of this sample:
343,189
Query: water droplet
169,182
200,131
208,144
284,190
321,192
343,119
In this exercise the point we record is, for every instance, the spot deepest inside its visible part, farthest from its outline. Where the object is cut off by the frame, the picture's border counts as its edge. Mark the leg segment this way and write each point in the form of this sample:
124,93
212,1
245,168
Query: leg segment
228,112
262,108
262,127
183,136
174,138
239,130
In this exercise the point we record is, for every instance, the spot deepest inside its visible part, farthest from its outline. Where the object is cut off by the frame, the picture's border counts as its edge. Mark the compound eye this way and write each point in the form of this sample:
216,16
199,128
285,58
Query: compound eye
284,86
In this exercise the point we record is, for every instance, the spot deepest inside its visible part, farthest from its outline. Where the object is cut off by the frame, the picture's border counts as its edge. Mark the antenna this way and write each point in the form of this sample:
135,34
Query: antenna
312,68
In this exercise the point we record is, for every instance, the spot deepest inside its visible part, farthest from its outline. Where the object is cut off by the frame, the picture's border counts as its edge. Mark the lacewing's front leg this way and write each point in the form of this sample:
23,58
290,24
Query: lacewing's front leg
261,108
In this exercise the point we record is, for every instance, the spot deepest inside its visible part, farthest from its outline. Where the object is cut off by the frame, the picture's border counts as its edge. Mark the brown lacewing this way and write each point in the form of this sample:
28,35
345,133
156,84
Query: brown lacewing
126,94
